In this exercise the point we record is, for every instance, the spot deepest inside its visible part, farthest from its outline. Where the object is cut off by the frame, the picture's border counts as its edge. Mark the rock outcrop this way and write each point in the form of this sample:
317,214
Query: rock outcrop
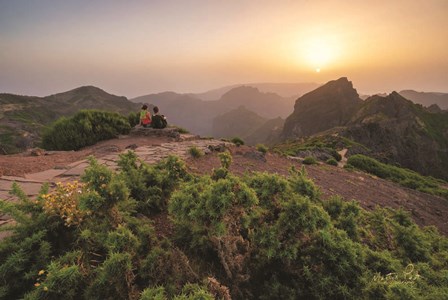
394,129
329,106
399,132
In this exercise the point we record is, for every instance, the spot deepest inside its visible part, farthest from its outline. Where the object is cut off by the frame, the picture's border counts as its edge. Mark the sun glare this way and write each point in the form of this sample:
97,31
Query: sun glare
318,53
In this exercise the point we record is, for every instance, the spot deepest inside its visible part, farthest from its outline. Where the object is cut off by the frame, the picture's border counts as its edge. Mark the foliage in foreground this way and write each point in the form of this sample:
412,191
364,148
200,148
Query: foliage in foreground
261,236
85,128
404,177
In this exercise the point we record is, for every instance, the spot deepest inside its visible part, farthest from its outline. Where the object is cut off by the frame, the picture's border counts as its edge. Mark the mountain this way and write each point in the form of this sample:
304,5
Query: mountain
267,105
391,128
90,97
239,122
268,133
427,99
286,90
328,106
23,117
397,131
186,111
197,115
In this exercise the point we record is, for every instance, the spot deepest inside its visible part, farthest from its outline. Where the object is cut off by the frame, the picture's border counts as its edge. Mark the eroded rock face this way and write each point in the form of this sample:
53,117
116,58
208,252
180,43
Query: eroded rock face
329,106
394,129
399,132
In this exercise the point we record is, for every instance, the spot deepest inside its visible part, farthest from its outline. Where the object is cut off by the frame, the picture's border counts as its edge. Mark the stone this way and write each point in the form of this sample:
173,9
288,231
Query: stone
37,152
165,132
46,175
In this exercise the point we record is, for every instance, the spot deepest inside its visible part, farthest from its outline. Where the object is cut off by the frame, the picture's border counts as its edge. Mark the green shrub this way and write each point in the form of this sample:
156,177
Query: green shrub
404,177
332,162
158,232
301,184
85,128
226,159
262,148
134,119
152,185
237,141
195,152
310,160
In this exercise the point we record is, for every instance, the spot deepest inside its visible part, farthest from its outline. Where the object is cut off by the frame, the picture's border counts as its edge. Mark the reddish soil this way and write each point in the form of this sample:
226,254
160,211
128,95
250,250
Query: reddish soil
368,190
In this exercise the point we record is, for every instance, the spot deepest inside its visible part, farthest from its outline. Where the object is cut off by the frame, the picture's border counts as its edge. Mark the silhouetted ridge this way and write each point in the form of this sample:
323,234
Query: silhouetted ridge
330,105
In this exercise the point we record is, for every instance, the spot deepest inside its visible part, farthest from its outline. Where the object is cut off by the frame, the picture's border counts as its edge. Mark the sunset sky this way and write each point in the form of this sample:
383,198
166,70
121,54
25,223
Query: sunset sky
135,47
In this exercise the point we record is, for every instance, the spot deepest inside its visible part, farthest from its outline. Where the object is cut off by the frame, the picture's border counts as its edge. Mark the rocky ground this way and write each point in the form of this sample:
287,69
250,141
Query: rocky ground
31,171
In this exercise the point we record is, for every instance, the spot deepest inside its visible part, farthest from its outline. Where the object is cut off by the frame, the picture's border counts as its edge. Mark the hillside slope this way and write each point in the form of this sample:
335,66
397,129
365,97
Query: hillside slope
239,122
22,117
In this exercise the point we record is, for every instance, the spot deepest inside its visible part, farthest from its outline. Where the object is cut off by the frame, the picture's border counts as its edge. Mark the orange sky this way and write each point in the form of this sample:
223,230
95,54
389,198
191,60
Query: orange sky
136,47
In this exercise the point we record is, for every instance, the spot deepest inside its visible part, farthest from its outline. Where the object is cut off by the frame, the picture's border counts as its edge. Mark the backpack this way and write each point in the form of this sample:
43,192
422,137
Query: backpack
159,122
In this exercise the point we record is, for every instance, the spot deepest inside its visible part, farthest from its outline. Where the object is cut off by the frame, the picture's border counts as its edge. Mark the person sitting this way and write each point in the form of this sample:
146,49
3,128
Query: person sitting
158,121
145,116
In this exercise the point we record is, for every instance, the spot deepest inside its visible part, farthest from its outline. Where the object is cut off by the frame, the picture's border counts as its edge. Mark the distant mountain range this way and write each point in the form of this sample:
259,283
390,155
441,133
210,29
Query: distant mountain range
285,90
393,128
23,117
427,99
198,115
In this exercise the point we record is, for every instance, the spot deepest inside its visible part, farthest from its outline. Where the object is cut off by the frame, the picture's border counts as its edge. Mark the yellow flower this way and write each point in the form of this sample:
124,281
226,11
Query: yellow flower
41,272
45,289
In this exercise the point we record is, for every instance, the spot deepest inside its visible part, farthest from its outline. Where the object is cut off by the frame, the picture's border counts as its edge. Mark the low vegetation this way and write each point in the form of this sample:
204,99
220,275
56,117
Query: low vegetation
85,128
133,119
309,160
332,162
181,130
260,236
195,152
237,141
404,177
262,148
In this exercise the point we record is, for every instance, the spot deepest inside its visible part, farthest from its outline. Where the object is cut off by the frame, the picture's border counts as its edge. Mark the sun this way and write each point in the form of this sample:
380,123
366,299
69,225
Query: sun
318,53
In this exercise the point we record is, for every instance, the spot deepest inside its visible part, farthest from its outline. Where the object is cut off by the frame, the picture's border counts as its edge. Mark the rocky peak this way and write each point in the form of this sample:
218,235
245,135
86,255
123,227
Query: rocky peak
328,106
379,108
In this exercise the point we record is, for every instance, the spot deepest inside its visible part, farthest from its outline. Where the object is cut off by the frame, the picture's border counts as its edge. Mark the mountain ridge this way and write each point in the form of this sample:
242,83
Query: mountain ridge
396,130
22,118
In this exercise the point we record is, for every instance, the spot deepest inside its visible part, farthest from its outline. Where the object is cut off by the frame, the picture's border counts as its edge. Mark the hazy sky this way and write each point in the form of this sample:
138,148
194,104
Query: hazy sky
137,47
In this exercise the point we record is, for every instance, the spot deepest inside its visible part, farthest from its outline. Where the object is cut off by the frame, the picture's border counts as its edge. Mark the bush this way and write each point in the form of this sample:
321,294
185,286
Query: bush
134,119
404,177
85,128
265,235
195,152
237,141
309,160
262,148
332,162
